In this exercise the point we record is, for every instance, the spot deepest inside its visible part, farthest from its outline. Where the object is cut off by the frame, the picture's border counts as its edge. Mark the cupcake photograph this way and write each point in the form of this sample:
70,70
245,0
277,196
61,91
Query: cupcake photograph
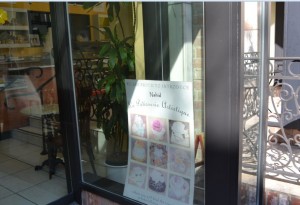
157,129
179,133
158,154
179,188
180,161
139,150
157,181
138,125
137,175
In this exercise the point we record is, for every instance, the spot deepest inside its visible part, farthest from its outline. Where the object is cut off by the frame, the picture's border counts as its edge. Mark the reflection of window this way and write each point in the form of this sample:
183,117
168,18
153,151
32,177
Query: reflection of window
79,25
34,40
251,27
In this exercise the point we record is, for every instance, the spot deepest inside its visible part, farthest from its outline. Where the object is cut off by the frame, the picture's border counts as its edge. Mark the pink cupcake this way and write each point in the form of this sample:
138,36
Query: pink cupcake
158,129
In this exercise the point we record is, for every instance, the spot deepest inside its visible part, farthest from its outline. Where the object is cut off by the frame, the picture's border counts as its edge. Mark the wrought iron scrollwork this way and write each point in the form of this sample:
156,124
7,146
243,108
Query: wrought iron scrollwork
250,110
283,138
87,74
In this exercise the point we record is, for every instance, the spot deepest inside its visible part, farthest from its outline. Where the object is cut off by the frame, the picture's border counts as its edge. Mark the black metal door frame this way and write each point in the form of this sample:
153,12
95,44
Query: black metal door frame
223,102
66,99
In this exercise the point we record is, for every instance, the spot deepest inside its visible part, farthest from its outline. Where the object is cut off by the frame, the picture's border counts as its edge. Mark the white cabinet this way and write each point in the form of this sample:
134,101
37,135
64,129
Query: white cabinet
15,32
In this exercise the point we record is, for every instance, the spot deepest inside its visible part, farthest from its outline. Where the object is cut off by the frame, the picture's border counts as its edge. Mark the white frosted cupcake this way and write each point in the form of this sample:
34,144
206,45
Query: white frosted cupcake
138,127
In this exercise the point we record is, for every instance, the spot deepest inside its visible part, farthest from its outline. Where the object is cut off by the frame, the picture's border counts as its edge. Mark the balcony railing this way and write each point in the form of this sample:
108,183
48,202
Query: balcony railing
283,137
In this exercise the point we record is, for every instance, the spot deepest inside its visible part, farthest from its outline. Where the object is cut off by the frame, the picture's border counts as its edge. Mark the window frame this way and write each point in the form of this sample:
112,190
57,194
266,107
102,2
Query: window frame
223,102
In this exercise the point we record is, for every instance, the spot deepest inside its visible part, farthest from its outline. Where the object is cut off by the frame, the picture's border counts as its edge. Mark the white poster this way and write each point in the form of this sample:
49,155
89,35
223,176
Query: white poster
161,142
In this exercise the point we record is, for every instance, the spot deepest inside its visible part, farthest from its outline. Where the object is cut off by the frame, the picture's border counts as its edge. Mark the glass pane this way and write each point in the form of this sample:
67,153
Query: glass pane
31,147
196,71
282,140
185,23
103,159
251,32
282,160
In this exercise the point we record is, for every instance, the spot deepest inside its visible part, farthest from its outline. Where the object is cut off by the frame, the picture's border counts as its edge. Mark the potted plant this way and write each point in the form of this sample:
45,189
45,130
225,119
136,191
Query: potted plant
116,64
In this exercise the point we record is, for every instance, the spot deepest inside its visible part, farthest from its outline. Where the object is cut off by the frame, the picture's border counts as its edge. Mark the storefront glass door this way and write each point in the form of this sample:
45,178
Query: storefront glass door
32,168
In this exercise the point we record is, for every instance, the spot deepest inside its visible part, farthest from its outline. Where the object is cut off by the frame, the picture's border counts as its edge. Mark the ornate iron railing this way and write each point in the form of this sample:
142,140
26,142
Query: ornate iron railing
87,75
283,137
250,108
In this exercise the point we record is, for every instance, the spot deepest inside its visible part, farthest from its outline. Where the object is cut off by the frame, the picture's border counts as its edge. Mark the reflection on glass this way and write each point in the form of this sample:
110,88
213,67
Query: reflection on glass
251,32
31,145
103,57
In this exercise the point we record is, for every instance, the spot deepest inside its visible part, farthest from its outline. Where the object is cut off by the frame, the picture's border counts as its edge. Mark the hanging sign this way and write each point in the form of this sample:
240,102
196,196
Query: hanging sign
161,142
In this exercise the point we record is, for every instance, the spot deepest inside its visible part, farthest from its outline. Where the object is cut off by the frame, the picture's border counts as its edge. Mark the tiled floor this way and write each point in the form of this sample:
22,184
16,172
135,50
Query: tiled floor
20,184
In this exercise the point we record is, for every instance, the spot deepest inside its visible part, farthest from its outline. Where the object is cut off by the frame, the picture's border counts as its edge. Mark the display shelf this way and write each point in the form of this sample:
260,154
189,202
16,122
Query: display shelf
14,27
15,32
15,45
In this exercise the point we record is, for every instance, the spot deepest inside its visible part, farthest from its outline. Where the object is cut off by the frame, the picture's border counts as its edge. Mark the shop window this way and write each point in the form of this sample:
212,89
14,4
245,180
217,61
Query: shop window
106,162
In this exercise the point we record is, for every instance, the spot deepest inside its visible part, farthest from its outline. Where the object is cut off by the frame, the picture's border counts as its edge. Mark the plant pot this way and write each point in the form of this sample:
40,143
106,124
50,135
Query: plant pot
117,151
116,173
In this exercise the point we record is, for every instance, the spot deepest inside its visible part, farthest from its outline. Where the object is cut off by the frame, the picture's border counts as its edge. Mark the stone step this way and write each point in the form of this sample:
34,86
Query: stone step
35,121
29,134
33,133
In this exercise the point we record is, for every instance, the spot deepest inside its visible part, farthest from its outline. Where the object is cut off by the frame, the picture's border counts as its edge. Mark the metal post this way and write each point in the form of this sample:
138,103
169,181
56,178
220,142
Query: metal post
263,96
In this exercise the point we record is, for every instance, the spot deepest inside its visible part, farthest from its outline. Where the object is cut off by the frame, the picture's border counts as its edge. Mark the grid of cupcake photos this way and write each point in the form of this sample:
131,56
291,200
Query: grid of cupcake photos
160,156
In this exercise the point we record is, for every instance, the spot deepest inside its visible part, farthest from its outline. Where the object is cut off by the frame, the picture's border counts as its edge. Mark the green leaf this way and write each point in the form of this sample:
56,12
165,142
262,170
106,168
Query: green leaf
107,88
116,34
131,65
119,92
110,11
123,88
109,33
123,53
113,93
104,50
116,6
113,58
110,79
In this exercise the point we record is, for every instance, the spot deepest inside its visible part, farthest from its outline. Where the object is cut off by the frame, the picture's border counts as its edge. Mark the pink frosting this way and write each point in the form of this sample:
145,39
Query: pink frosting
157,125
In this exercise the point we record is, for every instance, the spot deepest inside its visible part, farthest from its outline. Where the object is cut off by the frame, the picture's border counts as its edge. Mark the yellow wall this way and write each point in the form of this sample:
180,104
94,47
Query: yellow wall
139,43
22,52
44,7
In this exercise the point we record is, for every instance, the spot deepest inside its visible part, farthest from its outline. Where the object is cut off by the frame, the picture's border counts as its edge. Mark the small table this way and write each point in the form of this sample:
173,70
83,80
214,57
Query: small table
50,124
42,111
